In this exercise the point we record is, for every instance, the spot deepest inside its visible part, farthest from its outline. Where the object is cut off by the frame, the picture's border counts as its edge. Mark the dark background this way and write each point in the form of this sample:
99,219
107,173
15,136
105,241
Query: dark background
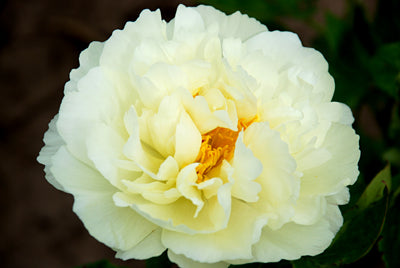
40,42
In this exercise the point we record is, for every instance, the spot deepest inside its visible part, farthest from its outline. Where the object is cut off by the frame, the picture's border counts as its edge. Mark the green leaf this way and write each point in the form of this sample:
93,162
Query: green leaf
385,68
161,261
396,185
334,32
99,264
362,226
375,189
390,243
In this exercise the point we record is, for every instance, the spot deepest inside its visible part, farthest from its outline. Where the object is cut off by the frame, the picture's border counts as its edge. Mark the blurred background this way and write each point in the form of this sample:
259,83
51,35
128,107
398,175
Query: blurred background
40,44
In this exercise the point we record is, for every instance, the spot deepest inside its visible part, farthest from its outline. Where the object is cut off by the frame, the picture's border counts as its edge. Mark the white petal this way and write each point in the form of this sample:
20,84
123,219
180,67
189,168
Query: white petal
89,58
281,47
119,228
335,112
148,160
53,142
184,262
187,141
187,20
185,183
97,101
153,190
341,169
280,187
214,215
340,198
163,125
105,149
294,240
236,25
168,170
149,247
233,242
76,177
121,45
309,209
247,168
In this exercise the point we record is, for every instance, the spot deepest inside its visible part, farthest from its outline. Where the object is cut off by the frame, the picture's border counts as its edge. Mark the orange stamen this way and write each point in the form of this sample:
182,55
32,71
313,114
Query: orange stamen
217,145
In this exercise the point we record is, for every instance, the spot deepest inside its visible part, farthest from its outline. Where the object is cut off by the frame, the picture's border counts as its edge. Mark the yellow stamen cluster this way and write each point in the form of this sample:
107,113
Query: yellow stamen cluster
217,145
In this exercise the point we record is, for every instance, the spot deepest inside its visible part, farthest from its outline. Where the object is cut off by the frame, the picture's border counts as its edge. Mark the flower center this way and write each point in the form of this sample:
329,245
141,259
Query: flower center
217,145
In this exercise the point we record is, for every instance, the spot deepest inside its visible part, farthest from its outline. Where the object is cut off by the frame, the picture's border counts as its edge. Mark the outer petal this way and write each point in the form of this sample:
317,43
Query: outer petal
121,45
119,228
53,142
187,20
184,262
233,242
96,101
236,25
149,247
339,171
293,240
104,150
88,59
281,47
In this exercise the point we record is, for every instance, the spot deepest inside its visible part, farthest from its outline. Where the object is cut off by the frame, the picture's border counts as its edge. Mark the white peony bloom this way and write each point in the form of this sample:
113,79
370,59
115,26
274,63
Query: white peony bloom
207,136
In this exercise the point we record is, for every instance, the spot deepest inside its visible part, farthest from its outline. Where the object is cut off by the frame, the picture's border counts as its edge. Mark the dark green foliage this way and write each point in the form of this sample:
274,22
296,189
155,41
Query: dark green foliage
100,264
161,261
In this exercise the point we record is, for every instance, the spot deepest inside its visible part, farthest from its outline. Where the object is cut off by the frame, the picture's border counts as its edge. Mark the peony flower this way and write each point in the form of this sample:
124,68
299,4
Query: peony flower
207,136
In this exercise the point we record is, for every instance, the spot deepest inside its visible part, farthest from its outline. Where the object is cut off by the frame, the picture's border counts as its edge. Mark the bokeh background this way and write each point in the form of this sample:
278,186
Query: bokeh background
40,42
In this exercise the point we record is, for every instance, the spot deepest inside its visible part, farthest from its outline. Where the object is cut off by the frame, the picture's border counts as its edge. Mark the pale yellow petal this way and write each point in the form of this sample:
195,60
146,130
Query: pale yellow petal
233,242
246,168
150,246
117,227
184,262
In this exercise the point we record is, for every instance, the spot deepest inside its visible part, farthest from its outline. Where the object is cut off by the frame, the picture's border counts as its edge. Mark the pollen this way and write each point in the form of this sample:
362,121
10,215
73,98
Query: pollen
217,145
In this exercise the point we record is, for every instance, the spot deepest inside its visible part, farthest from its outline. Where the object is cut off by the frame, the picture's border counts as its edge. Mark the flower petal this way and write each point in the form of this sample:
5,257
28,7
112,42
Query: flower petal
280,187
184,262
187,141
294,240
236,25
233,242
148,25
119,228
246,168
88,59
341,169
149,247
53,142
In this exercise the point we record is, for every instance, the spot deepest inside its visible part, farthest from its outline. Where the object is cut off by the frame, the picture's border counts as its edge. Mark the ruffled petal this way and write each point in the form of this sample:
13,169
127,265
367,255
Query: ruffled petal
236,25
340,170
119,228
279,184
246,168
148,25
150,246
184,262
53,142
213,216
88,59
233,242
294,240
